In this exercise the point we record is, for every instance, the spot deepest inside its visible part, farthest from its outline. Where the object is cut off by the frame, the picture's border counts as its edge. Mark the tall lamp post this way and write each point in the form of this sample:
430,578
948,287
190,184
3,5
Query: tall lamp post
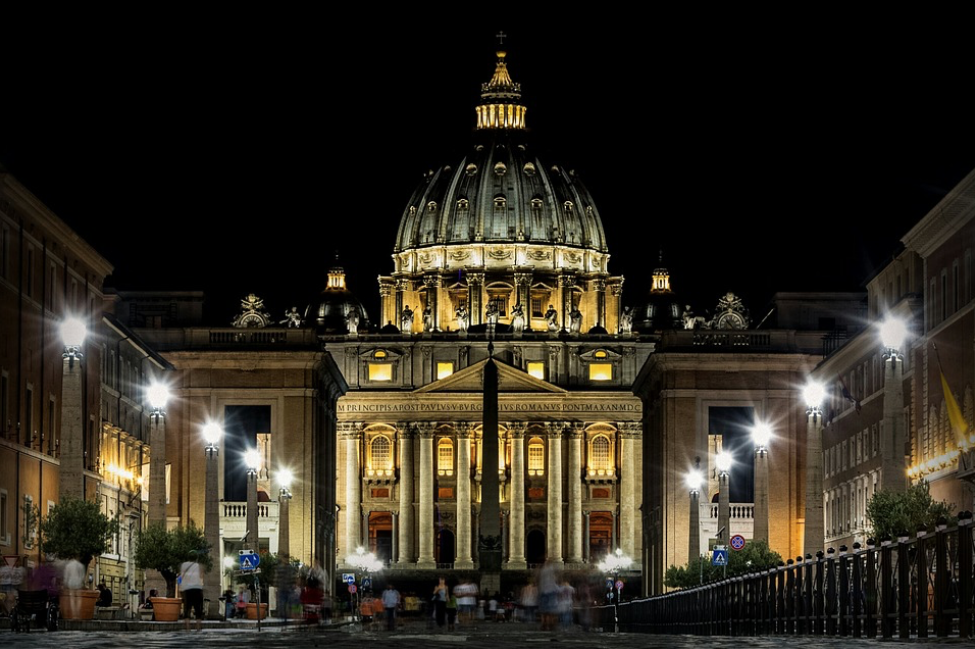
366,563
72,445
815,534
694,479
252,460
284,477
893,474
761,436
212,433
723,462
614,564
158,396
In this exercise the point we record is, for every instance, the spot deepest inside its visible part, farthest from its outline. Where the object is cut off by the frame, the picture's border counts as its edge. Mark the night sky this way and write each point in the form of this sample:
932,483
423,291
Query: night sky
240,159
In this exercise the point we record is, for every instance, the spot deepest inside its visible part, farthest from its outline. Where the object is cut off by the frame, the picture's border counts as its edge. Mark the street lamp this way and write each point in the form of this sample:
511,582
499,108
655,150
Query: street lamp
814,393
252,460
761,436
158,396
284,478
893,473
72,445
694,479
367,563
212,433
723,462
614,564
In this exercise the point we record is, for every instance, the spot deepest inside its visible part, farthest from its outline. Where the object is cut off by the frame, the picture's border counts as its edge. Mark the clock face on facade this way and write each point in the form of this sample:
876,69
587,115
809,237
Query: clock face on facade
730,320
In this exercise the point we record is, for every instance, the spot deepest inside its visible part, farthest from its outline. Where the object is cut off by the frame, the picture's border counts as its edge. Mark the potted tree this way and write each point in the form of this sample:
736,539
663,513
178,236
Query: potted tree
268,565
76,530
165,550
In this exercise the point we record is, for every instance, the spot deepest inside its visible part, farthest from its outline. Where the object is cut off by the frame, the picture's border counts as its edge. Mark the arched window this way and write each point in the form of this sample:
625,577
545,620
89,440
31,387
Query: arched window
381,454
432,206
536,456
600,457
463,204
445,457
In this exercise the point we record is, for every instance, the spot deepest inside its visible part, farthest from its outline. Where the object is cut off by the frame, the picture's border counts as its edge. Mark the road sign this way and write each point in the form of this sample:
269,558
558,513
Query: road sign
248,561
348,578
352,588
619,584
737,542
366,582
609,583
719,557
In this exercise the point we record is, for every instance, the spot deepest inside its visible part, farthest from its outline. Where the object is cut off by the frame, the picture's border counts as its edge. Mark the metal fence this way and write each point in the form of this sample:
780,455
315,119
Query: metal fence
906,588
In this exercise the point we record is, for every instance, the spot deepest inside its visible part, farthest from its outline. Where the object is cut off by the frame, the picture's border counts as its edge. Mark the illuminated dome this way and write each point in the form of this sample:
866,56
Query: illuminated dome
661,308
501,192
329,312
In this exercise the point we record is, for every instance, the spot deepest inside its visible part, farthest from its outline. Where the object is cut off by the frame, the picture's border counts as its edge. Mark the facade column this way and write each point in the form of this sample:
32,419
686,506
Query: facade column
617,291
353,488
615,541
426,558
516,535
386,304
406,551
523,284
566,282
554,518
585,537
395,549
475,302
629,437
599,285
462,558
574,524
432,285
401,285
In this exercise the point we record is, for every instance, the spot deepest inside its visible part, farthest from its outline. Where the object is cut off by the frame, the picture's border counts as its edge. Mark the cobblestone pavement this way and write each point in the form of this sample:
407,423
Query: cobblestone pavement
409,636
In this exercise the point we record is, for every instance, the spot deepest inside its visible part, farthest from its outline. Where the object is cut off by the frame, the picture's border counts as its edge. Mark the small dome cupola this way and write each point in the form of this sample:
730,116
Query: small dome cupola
500,106
330,312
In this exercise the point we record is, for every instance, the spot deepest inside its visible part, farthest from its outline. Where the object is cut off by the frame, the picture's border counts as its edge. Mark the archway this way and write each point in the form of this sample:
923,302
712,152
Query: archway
445,547
535,547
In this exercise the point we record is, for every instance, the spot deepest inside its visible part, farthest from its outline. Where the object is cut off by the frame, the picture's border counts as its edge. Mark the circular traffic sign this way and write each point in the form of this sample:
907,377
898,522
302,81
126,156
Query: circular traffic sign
619,584
351,588
737,542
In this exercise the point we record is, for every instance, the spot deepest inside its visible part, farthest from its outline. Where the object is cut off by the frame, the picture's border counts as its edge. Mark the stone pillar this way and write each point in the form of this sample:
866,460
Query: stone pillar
893,474
401,287
815,535
475,302
617,291
585,536
615,543
760,532
157,469
432,285
463,560
211,531
694,525
629,437
353,488
574,524
406,549
516,537
253,520
426,558
386,291
566,282
553,531
599,286
72,449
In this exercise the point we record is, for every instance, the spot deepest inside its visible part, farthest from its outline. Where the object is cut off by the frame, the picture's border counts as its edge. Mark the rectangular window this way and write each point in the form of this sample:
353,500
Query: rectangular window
52,287
955,287
932,302
380,372
944,295
4,521
52,408
536,457
445,458
600,371
537,369
444,370
968,276
30,272
28,433
537,307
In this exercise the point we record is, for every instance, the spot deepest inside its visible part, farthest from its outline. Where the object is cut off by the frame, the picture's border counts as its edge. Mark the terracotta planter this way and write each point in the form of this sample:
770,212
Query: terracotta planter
166,609
78,604
252,611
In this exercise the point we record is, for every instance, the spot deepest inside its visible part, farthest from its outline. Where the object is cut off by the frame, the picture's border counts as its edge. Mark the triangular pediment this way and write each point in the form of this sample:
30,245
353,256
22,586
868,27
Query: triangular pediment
510,379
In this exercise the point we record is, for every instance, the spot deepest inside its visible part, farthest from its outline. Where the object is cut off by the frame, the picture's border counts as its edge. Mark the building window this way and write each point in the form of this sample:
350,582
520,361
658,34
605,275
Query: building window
30,271
537,369
444,370
536,456
537,307
955,287
381,454
499,300
4,521
445,457
28,439
600,455
600,371
380,372
944,295
968,276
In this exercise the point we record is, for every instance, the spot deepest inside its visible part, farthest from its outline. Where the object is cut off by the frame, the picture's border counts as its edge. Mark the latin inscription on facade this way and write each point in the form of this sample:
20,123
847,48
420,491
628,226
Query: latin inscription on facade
344,408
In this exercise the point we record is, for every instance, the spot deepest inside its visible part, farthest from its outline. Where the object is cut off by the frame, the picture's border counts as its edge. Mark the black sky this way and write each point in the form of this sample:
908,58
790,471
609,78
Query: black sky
239,159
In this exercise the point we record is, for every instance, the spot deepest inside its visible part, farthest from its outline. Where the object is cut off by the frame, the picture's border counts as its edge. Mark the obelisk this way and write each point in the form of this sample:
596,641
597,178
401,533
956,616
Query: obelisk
489,537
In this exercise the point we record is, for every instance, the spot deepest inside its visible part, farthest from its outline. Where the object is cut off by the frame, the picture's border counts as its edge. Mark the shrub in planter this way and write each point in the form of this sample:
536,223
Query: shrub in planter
165,550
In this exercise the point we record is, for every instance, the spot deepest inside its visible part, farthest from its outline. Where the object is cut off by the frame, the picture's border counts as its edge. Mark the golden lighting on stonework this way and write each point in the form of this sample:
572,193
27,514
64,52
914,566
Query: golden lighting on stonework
600,371
537,370
444,370
380,372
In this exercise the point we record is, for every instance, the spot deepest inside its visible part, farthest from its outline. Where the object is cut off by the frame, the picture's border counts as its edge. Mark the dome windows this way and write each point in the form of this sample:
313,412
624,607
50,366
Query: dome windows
432,207
470,169
463,204
530,169
500,169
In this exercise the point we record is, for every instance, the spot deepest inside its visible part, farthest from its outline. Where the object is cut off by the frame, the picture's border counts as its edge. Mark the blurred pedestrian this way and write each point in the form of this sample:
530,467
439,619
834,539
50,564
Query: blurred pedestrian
439,599
191,589
391,601
529,600
548,592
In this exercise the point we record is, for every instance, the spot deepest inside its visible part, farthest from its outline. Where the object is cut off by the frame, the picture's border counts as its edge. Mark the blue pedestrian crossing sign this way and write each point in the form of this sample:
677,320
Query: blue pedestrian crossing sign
249,560
719,557
348,578
366,582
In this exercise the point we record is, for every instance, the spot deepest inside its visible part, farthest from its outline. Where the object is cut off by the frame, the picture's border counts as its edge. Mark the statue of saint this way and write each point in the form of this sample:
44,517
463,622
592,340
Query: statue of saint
292,319
427,319
575,320
626,320
463,318
352,321
552,318
518,319
406,320
492,313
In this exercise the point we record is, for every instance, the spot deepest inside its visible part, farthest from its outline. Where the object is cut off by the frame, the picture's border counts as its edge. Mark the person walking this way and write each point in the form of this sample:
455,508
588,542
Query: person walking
451,611
440,595
191,588
391,601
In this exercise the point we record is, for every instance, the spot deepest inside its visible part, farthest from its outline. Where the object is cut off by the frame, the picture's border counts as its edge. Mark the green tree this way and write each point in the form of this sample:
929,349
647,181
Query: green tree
756,555
892,513
77,529
165,550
